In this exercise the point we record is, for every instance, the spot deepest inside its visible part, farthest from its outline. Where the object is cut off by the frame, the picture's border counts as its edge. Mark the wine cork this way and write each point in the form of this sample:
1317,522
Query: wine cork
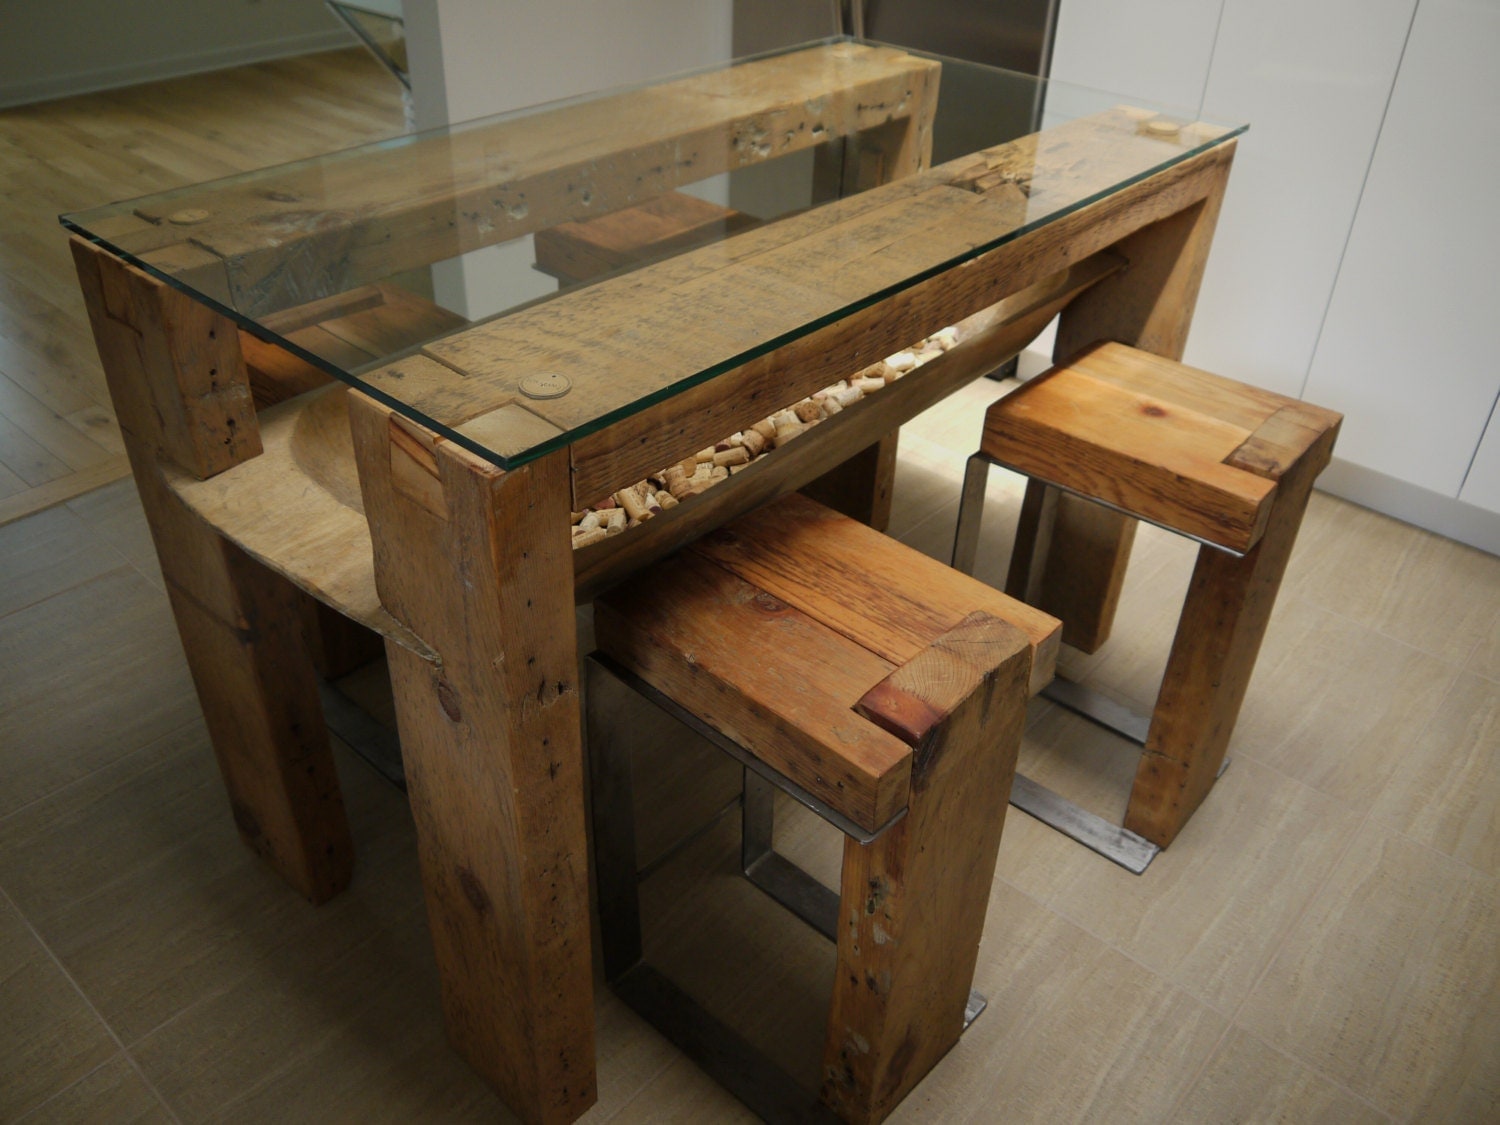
592,536
630,499
753,443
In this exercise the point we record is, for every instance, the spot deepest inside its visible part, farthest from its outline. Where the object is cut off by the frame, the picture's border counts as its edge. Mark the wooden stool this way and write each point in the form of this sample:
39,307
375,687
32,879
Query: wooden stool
1226,464
886,692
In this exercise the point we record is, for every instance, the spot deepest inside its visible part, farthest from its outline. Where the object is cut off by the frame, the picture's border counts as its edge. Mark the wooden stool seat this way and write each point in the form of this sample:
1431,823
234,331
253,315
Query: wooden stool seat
1224,463
890,690
1188,450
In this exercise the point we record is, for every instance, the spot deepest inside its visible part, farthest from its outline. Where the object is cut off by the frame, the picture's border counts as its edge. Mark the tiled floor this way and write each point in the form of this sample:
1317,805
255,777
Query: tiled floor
1321,944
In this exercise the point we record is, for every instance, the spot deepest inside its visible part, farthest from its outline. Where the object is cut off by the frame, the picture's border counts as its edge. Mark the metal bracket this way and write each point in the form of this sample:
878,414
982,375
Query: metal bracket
1120,845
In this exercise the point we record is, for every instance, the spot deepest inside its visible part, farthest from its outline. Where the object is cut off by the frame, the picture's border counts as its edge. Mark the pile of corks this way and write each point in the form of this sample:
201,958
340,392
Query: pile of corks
663,491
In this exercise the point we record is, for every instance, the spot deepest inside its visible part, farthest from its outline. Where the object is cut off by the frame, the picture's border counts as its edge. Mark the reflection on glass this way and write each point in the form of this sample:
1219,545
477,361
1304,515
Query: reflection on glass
383,32
629,241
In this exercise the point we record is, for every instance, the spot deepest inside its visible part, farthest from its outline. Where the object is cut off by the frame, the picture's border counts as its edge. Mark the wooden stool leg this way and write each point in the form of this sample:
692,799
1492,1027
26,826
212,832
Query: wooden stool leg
180,390
476,562
1224,618
910,912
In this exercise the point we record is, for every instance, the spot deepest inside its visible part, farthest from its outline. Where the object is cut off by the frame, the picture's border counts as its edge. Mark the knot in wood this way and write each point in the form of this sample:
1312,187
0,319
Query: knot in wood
448,699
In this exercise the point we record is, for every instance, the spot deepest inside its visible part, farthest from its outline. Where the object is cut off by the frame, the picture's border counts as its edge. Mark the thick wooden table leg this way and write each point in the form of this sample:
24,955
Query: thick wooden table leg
477,562
911,914
863,486
1224,618
860,488
1149,305
179,388
337,644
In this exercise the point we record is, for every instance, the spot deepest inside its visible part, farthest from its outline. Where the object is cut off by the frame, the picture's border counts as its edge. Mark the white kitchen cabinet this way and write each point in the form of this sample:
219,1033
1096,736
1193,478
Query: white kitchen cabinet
1312,79
1407,351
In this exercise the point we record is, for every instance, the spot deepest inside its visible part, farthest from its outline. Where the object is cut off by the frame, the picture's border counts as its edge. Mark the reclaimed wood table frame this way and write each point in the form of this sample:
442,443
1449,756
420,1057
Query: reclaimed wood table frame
472,563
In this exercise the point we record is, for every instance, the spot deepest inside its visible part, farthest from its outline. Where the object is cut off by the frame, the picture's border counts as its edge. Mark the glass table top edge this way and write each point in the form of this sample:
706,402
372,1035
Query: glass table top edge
352,375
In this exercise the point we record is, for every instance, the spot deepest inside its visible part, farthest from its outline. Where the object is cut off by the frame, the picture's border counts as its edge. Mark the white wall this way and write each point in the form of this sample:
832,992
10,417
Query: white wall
473,58
1407,352
1350,261
1311,77
52,48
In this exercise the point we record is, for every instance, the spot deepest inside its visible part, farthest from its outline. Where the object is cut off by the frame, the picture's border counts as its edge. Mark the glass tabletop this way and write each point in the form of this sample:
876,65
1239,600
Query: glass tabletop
517,282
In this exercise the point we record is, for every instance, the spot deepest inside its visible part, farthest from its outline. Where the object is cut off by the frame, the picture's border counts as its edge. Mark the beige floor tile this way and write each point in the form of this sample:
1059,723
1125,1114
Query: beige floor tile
1248,1081
1211,909
1446,791
1430,592
1128,667
91,675
1390,983
342,1024
1037,859
1087,764
1486,658
1074,1031
137,879
115,1093
1336,704
631,1055
680,1094
49,1037
46,554
114,514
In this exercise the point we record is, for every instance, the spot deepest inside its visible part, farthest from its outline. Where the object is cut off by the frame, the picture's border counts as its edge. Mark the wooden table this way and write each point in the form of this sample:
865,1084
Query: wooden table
452,541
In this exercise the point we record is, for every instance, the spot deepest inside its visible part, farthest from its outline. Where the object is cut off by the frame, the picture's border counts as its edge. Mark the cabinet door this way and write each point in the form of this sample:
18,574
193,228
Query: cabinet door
1313,80
1407,351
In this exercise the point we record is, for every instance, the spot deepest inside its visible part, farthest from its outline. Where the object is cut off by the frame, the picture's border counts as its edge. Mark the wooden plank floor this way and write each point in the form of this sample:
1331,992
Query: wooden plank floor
58,437
1321,943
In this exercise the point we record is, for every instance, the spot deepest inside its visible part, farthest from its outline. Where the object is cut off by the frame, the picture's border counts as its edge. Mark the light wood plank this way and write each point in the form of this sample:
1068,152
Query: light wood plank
844,568
80,152
767,674
551,167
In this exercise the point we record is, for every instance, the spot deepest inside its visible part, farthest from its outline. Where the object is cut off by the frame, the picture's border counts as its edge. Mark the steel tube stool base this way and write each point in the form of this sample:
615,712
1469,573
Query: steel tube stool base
713,1045
1116,432
882,690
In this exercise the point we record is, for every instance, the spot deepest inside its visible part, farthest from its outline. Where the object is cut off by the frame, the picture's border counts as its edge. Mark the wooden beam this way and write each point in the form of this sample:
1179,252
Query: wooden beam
911,917
475,561
1150,306
990,338
183,400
